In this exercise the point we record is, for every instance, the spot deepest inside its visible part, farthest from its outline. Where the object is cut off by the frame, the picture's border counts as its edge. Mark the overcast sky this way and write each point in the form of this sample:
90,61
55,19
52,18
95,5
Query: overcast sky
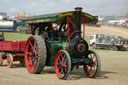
37,7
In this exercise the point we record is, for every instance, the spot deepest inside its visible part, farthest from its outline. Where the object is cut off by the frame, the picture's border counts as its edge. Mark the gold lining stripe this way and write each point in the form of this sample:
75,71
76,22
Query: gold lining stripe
41,20
28,21
88,16
47,20
36,21
65,14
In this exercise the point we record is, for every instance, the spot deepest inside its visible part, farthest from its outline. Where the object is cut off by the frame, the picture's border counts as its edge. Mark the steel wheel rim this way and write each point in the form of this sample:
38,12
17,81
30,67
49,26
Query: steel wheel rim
31,54
90,69
61,65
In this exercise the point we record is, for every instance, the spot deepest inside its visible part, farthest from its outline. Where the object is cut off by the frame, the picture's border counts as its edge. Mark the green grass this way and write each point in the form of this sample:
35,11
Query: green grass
9,36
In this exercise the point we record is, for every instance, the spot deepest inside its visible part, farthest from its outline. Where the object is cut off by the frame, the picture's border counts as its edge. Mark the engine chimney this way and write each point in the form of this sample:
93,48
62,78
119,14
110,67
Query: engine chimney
78,11
78,46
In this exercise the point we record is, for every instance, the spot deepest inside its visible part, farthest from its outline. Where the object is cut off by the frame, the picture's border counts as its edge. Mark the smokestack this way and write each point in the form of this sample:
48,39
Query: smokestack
78,11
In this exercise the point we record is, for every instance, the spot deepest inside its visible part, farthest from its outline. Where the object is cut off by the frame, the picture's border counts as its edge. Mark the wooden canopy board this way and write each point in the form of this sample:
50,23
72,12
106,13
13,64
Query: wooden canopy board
58,17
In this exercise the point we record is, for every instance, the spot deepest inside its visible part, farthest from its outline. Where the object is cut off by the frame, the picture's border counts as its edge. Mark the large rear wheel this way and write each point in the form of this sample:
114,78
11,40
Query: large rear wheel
62,64
93,69
35,54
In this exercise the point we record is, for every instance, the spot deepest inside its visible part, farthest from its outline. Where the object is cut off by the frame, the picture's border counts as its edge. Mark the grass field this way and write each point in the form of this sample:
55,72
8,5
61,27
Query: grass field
9,36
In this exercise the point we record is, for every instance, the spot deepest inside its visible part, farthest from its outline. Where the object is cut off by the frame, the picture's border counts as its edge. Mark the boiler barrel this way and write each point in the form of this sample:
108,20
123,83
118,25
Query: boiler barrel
6,24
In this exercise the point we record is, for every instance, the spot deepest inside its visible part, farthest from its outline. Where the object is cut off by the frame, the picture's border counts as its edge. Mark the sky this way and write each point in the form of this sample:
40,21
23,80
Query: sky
38,7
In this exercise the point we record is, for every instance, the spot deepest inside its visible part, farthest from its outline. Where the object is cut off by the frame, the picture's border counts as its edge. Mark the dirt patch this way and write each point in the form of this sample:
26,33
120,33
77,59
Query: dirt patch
108,30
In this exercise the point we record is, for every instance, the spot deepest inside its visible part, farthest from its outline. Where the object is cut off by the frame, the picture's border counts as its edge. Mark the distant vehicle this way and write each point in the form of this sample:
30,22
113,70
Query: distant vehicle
125,24
108,42
94,25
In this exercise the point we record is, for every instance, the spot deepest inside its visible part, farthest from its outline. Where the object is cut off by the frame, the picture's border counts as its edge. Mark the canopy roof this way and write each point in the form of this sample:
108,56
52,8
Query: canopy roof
58,17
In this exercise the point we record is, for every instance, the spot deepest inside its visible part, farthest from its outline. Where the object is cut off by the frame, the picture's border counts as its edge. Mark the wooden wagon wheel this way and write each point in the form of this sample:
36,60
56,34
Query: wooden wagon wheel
62,64
10,60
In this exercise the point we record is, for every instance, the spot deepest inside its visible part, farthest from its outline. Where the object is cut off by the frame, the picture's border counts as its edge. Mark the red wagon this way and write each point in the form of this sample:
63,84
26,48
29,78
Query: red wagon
12,51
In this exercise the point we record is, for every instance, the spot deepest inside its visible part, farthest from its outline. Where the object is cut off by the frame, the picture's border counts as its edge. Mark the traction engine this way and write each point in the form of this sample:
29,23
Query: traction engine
56,41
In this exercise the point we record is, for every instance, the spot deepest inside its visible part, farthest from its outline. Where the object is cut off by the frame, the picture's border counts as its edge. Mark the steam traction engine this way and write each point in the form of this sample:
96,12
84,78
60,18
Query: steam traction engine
56,41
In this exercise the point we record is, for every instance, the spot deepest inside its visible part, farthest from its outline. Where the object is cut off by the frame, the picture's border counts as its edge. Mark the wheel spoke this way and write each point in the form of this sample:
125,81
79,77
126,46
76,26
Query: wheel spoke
35,45
93,64
29,53
36,54
32,47
63,58
34,63
90,69
65,66
35,48
91,56
59,60
30,61
59,68
62,72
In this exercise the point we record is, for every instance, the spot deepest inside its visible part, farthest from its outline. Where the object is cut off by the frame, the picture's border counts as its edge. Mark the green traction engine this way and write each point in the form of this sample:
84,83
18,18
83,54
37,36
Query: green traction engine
56,41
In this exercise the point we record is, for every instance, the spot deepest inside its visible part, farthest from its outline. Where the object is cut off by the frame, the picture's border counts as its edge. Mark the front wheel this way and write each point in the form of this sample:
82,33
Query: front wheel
62,64
93,69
